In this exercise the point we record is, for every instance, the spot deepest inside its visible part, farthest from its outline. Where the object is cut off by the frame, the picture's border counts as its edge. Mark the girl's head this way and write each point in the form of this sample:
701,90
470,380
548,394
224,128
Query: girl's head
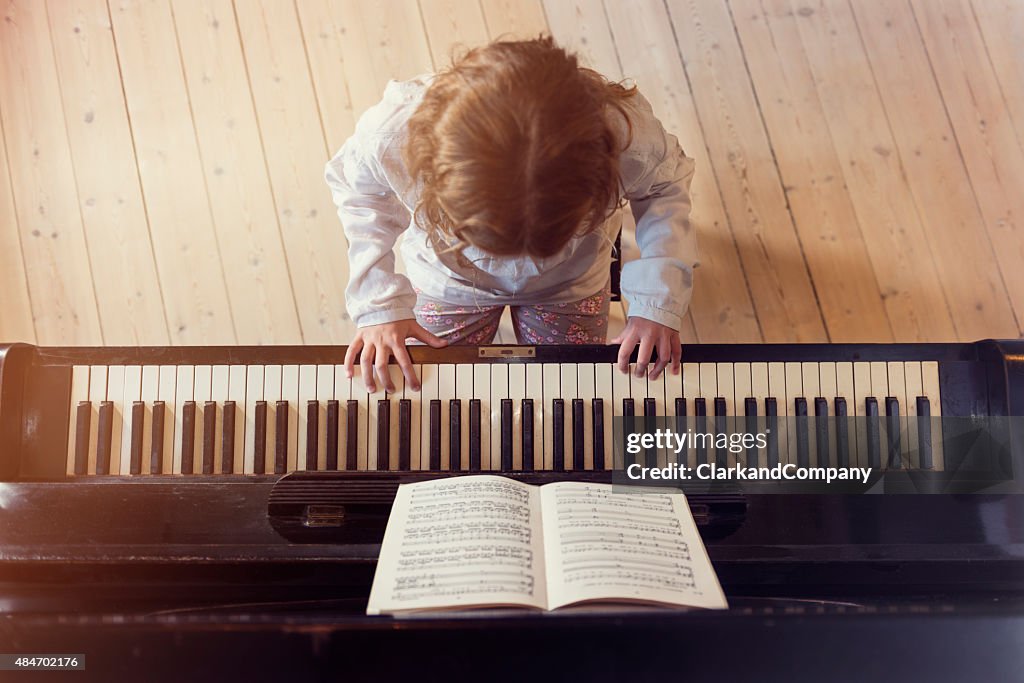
515,150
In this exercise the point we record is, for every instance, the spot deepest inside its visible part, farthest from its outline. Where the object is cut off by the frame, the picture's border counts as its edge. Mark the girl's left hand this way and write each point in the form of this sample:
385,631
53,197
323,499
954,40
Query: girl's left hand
650,335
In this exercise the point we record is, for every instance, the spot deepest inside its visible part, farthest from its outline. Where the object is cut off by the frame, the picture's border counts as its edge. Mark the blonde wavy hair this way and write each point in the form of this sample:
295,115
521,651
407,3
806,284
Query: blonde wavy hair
514,151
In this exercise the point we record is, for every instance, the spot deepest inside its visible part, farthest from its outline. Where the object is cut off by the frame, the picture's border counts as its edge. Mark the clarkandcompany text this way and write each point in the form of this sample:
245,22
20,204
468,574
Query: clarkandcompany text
737,472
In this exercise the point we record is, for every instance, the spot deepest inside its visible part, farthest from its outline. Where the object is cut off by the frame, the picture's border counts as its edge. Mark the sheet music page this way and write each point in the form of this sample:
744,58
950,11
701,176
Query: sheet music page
461,542
601,545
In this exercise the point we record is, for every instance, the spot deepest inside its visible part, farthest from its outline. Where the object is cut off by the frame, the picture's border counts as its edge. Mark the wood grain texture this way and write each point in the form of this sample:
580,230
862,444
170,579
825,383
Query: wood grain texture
452,26
514,19
16,307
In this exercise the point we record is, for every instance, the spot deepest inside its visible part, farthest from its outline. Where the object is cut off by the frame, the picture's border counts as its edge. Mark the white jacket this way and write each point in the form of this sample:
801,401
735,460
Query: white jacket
375,198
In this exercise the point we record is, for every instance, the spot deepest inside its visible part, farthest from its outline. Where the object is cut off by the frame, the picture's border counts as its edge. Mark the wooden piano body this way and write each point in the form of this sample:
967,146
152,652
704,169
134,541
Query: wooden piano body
153,571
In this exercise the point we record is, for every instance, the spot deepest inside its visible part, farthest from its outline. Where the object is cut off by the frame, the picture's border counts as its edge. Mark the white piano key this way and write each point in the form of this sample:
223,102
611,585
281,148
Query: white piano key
760,391
828,383
307,393
167,393
219,391
79,392
203,392
498,384
777,390
535,391
930,386
516,392
324,393
569,386
115,394
429,390
290,393
184,388
726,381
585,378
464,392
656,390
898,390
482,392
811,390
912,376
254,386
691,392
97,394
845,389
342,392
794,390
861,391
415,415
272,378
150,391
398,380
741,392
552,390
446,391
880,390
132,392
603,373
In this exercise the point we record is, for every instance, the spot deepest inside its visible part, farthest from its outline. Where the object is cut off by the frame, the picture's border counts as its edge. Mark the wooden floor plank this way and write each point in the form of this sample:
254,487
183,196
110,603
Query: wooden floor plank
831,240
721,309
124,269
177,202
452,26
53,243
252,252
954,227
296,151
815,42
16,307
1002,29
984,132
514,19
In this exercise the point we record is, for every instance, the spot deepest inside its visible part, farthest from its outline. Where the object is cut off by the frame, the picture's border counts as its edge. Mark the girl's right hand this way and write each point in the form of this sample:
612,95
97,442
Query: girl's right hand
376,344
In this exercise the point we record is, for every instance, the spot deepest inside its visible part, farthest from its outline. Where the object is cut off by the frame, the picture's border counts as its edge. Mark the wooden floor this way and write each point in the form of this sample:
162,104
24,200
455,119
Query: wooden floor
860,162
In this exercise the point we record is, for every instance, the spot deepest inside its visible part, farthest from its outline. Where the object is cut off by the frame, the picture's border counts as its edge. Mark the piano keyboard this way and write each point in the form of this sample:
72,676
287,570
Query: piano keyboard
502,416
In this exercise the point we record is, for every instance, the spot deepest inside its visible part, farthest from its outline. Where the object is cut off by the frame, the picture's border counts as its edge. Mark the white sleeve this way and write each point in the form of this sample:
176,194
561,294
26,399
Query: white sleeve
658,285
373,218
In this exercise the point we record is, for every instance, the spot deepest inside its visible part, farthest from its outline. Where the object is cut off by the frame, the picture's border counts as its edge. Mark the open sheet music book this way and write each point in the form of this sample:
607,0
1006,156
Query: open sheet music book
488,541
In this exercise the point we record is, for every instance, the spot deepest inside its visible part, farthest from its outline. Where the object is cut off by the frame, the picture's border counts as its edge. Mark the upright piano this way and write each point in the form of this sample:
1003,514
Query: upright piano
218,511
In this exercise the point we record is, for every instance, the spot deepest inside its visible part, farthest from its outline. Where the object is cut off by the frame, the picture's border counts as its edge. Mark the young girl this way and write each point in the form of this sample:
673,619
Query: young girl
504,176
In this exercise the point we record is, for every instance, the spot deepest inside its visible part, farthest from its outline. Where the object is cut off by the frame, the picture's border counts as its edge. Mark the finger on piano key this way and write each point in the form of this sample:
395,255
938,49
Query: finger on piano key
282,435
307,393
880,390
501,391
912,444
475,441
167,393
115,394
586,378
517,392
552,390
603,408
464,392
405,434
446,393
811,390
229,413
726,390
331,438
482,393
156,445
529,435
150,393
97,394
188,437
184,388
255,383
137,437
845,390
209,437
415,419
383,427
258,460
873,437
104,435
434,436
861,392
272,375
569,387
429,379
311,414
201,392
219,395
742,390
898,390
777,390
794,390
132,393
324,394
842,430
930,386
79,394
828,388
80,448
290,423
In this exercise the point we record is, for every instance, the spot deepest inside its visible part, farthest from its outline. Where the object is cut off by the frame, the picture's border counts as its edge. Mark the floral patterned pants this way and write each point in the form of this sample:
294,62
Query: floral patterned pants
576,322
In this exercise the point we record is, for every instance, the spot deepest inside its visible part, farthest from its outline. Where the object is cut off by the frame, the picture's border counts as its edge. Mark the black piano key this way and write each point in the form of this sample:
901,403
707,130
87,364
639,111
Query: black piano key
188,437
771,428
527,427
104,436
750,412
333,431
312,433
135,453
404,434
281,438
892,428
628,427
682,456
803,457
821,431
259,447
156,447
351,435
842,433
383,434
597,408
650,426
435,434
83,420
227,453
700,411
454,434
209,435
874,447
474,435
558,434
924,433
506,435
577,434
721,427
